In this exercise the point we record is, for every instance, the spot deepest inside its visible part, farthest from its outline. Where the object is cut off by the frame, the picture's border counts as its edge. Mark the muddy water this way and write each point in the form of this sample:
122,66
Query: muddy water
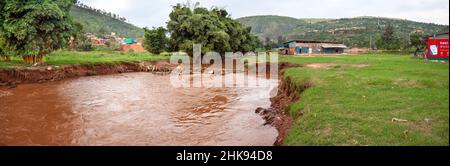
132,109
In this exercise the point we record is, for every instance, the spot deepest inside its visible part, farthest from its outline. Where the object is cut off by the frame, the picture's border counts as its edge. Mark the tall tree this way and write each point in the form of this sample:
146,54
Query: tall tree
213,29
388,39
418,42
102,31
268,43
281,40
34,28
79,40
155,40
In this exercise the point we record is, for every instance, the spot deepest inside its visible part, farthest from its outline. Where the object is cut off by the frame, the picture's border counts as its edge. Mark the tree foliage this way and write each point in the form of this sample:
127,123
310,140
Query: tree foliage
80,41
419,42
34,28
281,40
155,40
213,29
389,40
269,44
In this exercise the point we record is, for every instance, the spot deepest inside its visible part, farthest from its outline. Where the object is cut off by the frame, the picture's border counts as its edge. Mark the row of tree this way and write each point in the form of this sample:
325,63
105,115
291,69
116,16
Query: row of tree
189,24
103,12
389,40
269,44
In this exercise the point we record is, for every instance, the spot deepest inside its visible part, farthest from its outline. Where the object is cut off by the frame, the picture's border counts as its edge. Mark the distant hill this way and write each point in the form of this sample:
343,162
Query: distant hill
355,32
96,22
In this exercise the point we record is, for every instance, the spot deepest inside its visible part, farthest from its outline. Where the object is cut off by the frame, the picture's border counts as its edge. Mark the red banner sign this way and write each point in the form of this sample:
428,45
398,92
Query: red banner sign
437,49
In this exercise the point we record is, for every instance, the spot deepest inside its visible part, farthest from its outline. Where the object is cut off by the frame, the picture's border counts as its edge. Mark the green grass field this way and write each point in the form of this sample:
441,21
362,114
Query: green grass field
356,104
92,57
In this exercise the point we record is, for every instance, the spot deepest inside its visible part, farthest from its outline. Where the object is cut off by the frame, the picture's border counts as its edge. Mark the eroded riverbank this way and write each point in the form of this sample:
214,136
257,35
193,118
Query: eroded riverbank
42,74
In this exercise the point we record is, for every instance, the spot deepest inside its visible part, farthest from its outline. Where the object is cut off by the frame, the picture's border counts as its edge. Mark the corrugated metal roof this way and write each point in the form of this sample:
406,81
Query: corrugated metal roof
328,45
129,40
309,41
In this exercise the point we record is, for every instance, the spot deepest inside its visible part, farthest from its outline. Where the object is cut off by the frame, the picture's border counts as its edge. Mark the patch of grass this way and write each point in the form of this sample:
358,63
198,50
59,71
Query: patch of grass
90,57
350,105
15,62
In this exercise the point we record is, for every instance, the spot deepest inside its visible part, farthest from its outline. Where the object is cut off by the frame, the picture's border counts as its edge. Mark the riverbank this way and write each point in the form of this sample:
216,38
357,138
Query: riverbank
69,64
59,58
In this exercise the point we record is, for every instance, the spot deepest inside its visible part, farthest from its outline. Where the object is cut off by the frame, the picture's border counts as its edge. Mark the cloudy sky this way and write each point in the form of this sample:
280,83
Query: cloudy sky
153,13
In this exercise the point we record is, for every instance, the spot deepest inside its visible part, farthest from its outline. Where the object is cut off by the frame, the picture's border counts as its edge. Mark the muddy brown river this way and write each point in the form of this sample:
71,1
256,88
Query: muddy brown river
133,109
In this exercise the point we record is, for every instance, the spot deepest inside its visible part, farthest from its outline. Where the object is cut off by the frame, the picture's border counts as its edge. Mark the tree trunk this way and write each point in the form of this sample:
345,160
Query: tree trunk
5,58
33,59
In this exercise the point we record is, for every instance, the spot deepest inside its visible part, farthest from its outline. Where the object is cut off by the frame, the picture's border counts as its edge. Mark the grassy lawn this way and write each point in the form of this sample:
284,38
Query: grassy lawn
92,57
354,105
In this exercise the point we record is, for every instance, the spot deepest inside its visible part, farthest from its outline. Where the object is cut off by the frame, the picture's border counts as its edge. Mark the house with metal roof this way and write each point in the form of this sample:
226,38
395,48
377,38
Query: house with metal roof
304,47
129,41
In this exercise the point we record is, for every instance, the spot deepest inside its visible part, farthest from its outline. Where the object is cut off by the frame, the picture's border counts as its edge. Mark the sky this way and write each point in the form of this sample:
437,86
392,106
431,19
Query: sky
155,13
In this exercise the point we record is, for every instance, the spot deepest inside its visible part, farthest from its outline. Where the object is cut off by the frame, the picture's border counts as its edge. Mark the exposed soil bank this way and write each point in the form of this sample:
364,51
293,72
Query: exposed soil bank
42,74
277,115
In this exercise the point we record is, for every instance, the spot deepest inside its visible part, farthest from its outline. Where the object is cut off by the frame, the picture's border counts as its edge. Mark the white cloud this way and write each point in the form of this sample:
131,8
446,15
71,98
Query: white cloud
155,12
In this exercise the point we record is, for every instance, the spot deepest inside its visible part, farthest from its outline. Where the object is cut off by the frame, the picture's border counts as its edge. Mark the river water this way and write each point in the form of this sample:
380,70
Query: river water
133,109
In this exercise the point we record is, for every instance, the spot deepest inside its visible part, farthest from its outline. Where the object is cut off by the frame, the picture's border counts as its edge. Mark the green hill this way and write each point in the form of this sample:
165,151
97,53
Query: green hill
355,32
96,22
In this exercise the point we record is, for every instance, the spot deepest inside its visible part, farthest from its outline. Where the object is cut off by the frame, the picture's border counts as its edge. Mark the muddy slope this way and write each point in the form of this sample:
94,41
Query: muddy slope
42,74
288,93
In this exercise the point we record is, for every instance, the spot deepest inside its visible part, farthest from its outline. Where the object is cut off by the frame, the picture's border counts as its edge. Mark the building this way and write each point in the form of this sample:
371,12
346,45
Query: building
443,35
129,41
131,44
303,47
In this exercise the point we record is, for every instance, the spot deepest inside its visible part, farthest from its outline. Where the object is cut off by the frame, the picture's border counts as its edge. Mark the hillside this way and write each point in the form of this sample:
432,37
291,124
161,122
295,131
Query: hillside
96,22
355,32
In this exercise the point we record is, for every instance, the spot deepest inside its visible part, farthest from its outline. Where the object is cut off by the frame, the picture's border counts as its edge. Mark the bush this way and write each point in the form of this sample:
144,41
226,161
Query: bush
84,44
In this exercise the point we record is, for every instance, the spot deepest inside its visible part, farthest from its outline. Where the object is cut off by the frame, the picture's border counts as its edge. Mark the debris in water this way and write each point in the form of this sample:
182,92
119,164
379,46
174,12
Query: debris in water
268,115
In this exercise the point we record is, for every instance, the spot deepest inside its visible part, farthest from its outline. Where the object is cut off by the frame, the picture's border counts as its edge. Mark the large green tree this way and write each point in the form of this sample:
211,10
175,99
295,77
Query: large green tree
155,40
213,29
34,28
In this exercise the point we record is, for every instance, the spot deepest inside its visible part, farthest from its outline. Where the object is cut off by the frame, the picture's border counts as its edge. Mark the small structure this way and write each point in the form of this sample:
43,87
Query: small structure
131,44
129,41
303,47
443,35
